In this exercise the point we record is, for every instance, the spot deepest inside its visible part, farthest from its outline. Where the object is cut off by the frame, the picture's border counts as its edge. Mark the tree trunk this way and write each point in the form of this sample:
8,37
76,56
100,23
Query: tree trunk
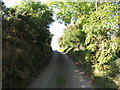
96,5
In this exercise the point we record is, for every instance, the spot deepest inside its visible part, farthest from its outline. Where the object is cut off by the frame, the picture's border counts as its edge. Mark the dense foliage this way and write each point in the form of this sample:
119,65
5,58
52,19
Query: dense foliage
91,37
26,41
95,31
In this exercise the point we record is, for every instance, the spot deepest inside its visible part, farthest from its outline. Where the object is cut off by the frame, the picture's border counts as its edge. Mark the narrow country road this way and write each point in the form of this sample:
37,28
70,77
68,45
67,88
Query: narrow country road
61,73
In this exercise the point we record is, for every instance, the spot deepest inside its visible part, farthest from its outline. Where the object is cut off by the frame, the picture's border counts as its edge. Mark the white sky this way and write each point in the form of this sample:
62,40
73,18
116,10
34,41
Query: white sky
56,28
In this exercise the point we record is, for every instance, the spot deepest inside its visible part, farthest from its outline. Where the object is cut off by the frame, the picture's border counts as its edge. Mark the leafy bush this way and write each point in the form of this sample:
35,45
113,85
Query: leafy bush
96,30
26,42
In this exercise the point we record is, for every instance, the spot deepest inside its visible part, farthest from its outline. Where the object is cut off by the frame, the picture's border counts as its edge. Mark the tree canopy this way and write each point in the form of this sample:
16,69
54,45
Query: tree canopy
95,28
26,42
29,20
